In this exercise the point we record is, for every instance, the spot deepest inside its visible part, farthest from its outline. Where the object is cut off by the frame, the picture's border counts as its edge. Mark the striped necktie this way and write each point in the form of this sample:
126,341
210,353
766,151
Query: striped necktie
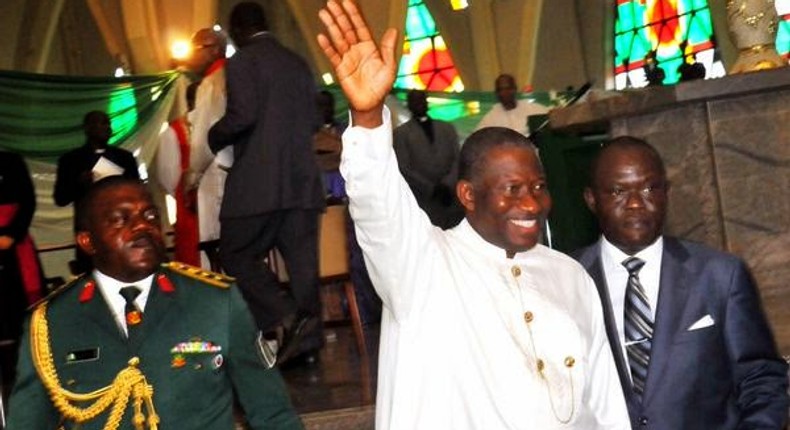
638,326
132,313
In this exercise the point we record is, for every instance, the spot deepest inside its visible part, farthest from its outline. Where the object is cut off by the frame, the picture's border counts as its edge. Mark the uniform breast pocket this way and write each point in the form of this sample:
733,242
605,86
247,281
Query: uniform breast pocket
197,369
82,370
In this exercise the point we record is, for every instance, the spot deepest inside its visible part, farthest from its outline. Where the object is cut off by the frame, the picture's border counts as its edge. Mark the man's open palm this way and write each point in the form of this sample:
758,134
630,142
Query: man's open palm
364,71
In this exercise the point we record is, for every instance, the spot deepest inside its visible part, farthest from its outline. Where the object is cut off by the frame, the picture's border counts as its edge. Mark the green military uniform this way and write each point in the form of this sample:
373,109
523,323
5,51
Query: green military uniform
197,345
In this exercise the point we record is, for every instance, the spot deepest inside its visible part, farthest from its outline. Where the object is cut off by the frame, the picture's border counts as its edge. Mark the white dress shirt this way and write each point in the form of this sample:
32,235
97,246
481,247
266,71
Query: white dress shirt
111,291
455,350
617,278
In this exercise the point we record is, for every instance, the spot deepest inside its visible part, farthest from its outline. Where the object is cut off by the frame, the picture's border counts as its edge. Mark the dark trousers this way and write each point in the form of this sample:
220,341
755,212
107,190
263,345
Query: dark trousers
246,242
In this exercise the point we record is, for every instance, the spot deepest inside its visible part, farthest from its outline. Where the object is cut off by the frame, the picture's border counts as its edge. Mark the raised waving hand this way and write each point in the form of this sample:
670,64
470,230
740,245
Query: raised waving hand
365,71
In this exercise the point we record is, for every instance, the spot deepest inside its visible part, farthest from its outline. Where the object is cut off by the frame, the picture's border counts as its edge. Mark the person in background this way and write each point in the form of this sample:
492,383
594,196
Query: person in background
427,151
690,339
207,172
327,145
172,165
80,167
20,271
483,327
273,193
140,342
510,112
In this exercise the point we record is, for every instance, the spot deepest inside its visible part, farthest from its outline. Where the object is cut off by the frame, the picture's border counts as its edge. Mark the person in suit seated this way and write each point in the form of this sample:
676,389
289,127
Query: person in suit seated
691,343
79,168
140,342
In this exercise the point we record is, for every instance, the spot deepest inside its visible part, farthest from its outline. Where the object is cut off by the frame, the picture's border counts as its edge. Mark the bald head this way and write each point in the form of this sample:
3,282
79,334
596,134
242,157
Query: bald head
208,46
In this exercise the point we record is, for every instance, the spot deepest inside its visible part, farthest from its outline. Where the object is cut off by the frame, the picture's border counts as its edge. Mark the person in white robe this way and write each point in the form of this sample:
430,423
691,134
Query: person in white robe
482,327
509,111
206,171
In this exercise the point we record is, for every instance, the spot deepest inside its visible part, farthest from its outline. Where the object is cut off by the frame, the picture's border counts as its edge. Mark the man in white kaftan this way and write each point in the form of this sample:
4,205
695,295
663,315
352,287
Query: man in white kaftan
482,328
510,112
455,350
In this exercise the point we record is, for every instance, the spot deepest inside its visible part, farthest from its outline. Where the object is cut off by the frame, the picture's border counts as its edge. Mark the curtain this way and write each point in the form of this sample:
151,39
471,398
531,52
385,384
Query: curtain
41,118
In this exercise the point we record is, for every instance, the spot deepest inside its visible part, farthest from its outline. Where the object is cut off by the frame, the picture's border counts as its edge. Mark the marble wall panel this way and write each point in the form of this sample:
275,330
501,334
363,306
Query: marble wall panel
751,142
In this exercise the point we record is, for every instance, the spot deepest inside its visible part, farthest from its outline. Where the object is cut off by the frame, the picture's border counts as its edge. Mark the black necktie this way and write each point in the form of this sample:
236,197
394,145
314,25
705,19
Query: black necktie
132,313
638,326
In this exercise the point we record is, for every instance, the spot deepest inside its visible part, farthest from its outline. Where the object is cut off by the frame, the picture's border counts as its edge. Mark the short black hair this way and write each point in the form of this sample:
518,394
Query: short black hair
623,142
87,117
473,153
248,16
84,208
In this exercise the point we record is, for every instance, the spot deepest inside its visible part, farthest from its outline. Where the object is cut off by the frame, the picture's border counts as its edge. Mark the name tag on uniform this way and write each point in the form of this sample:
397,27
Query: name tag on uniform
82,355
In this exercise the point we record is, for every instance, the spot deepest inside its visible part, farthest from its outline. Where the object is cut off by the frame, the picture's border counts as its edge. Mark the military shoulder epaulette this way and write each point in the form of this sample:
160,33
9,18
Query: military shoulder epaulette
211,278
54,293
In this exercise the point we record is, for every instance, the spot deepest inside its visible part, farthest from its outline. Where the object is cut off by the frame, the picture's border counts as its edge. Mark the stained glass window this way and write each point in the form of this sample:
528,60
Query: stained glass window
783,30
663,34
426,63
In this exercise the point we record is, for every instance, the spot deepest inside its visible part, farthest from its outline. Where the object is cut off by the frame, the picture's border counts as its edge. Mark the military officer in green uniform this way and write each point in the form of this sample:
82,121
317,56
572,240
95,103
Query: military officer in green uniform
140,343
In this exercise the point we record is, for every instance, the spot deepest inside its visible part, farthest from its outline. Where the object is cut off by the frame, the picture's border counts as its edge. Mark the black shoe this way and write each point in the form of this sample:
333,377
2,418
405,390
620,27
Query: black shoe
293,337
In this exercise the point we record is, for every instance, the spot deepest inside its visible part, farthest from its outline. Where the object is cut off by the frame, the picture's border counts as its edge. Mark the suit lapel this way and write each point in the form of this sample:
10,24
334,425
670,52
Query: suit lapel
672,299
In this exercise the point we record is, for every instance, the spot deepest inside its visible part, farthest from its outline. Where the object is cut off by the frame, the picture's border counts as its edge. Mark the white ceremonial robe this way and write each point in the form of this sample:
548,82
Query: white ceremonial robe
455,350
210,102
514,119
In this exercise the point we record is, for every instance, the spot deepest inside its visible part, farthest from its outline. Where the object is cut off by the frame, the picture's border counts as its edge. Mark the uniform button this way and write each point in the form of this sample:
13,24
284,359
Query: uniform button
516,271
643,421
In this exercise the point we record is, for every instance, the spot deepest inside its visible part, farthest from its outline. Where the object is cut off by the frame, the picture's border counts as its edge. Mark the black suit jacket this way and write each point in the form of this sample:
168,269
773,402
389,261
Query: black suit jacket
70,185
725,376
270,120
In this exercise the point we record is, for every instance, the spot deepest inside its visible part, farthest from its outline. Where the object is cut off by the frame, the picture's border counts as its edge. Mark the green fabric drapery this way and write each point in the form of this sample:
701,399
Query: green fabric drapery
41,115
41,118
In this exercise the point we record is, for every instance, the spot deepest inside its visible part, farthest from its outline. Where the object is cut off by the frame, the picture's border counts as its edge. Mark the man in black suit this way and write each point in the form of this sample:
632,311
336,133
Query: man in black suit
692,346
273,192
427,151
80,167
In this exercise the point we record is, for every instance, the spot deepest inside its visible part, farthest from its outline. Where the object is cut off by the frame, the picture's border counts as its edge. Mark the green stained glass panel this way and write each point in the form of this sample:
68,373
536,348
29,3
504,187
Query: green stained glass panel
662,27
783,37
426,62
